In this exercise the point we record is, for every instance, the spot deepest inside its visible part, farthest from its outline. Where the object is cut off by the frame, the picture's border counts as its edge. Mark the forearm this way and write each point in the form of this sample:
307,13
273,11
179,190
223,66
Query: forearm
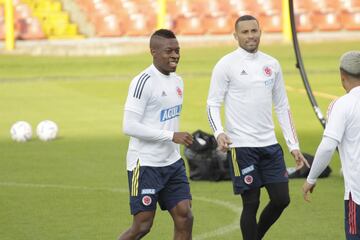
322,158
133,127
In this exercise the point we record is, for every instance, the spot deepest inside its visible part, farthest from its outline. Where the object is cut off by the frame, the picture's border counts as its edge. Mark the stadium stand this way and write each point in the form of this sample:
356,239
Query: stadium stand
270,15
351,15
197,17
117,18
78,17
26,27
221,24
327,15
61,19
55,22
39,19
303,15
99,13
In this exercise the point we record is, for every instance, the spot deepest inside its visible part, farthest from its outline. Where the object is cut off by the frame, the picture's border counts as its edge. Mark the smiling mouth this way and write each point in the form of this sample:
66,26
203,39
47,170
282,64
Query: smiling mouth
173,63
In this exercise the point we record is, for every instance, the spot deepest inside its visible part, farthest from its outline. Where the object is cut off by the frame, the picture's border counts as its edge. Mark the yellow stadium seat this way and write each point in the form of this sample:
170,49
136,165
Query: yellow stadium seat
55,22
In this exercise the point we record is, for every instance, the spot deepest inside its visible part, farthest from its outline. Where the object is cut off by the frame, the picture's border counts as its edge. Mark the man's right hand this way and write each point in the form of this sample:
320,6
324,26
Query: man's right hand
223,142
184,138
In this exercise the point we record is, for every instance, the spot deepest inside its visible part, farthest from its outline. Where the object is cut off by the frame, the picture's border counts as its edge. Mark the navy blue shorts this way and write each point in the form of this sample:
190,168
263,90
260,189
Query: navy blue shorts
254,167
352,220
151,185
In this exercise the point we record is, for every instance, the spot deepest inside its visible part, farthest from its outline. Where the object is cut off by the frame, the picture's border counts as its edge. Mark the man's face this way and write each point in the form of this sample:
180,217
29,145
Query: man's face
166,55
248,35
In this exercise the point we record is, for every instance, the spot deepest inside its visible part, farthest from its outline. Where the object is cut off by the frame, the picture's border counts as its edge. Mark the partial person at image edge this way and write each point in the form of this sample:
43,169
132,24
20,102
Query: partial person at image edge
342,131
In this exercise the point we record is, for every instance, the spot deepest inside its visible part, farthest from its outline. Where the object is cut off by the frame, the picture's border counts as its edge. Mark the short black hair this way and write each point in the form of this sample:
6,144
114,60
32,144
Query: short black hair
165,33
245,18
161,33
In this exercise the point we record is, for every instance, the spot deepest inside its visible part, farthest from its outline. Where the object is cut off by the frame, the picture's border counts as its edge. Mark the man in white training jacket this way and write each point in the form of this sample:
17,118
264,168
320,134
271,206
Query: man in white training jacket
156,172
343,131
249,82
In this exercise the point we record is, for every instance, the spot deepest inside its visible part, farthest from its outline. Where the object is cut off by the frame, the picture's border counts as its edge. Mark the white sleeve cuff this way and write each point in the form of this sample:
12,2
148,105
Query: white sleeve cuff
293,147
169,134
311,180
215,120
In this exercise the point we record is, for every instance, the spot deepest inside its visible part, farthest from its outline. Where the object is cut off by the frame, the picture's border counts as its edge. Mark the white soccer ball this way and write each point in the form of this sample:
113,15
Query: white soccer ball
21,131
47,130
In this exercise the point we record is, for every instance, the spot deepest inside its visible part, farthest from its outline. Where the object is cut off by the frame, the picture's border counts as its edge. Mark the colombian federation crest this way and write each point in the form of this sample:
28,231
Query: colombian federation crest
179,92
267,71
248,179
146,200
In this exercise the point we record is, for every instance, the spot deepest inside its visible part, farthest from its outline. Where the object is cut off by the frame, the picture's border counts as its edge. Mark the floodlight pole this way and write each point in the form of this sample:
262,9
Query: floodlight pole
300,66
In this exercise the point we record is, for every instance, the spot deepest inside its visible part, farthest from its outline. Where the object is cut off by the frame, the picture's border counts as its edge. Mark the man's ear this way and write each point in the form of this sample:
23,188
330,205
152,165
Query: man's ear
343,76
344,80
152,51
235,36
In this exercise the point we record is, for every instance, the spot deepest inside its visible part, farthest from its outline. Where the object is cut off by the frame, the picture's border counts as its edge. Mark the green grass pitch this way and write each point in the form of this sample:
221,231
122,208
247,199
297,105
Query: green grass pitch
76,186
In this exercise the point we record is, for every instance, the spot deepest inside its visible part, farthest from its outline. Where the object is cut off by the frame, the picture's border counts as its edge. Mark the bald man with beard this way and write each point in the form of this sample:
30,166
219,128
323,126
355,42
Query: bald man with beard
156,171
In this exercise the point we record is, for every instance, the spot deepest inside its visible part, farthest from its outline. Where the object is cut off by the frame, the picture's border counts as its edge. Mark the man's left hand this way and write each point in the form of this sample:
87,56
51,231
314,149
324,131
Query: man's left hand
306,189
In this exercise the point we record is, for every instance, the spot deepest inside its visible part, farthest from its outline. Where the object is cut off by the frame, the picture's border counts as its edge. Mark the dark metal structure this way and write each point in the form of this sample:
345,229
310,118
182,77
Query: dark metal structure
300,66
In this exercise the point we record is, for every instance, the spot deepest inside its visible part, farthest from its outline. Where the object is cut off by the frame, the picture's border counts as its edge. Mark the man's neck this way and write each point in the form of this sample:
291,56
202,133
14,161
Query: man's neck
353,84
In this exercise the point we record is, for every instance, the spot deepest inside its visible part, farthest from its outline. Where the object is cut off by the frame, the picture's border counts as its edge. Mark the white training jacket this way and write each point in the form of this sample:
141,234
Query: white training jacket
151,117
249,84
342,130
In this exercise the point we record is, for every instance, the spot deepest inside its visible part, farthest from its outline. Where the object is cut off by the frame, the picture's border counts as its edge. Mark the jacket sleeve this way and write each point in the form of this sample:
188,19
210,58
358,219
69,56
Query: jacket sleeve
322,158
219,85
140,92
133,127
282,110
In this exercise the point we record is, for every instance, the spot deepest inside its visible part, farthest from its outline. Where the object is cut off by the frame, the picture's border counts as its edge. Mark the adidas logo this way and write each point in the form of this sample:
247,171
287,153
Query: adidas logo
163,94
243,72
